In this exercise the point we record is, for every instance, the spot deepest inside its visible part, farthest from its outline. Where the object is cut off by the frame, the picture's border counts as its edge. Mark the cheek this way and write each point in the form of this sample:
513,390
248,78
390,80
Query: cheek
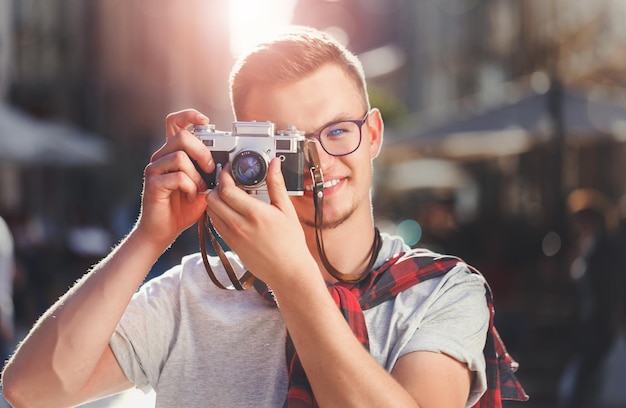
362,171
362,162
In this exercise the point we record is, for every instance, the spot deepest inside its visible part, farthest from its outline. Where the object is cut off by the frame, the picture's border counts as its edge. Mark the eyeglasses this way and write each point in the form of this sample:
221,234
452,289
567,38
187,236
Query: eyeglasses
341,138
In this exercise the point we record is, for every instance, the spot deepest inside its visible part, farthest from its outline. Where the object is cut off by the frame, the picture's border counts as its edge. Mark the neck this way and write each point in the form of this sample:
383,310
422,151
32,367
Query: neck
347,247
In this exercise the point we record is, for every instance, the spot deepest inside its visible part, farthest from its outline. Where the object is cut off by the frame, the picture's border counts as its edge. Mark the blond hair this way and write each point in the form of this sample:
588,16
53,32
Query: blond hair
289,58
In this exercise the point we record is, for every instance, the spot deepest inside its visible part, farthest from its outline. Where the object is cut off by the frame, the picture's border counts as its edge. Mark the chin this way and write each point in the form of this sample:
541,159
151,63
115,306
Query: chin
333,216
329,222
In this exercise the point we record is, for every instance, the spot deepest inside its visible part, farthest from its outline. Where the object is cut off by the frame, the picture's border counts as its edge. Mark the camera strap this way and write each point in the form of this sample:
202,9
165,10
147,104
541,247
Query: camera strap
239,283
247,279
318,200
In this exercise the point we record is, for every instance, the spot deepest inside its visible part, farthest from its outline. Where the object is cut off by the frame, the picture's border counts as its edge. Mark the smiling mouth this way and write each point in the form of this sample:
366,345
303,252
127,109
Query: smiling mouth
326,184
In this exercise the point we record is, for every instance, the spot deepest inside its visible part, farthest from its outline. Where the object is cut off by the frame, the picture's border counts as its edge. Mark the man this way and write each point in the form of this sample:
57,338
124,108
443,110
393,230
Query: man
198,345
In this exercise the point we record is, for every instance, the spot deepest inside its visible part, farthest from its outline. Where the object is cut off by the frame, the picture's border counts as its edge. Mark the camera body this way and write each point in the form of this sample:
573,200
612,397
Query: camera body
249,148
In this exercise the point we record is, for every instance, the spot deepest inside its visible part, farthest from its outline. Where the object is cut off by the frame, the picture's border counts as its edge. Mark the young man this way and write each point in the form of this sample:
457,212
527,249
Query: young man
198,345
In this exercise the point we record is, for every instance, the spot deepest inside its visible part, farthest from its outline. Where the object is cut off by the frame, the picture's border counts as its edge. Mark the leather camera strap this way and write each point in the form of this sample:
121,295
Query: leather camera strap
318,197
243,283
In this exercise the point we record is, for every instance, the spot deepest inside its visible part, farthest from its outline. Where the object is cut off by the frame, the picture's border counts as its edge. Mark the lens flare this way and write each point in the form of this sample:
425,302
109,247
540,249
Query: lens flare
252,21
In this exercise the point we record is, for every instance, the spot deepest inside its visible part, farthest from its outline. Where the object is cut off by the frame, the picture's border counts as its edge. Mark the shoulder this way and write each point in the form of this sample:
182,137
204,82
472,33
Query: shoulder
447,283
443,282
446,313
442,266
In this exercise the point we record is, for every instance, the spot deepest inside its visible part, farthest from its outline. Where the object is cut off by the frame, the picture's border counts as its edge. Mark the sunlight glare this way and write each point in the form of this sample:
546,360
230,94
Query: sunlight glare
252,21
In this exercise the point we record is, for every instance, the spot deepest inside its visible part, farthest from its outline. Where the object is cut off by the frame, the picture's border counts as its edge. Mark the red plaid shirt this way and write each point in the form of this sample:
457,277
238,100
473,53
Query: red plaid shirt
396,275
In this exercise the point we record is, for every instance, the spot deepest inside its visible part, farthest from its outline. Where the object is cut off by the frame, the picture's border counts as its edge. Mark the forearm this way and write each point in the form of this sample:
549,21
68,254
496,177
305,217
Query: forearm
64,347
339,368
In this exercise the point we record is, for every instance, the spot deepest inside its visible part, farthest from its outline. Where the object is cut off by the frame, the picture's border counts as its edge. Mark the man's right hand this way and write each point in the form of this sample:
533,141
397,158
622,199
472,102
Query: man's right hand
171,201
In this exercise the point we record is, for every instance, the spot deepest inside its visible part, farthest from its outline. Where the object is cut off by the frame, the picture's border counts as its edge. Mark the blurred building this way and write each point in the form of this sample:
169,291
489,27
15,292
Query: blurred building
45,108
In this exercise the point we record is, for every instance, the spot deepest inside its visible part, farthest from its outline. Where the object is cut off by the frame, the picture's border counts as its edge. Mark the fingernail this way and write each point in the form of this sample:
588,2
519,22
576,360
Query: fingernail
202,117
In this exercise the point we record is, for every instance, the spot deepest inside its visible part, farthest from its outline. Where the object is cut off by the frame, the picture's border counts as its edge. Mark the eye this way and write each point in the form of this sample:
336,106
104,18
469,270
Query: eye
338,130
335,132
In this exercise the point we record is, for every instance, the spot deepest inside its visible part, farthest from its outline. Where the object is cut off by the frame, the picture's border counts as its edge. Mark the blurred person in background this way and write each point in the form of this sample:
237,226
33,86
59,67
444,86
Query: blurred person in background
597,272
7,274
413,328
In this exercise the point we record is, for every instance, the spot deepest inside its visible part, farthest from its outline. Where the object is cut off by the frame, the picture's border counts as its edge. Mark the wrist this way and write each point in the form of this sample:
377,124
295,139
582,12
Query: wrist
147,242
153,233
300,287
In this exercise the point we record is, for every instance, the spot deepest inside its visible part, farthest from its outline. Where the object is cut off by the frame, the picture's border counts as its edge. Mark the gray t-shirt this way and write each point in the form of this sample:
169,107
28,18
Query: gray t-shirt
197,345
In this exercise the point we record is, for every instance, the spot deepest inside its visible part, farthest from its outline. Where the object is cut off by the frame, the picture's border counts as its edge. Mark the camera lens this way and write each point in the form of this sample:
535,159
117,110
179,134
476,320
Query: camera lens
249,168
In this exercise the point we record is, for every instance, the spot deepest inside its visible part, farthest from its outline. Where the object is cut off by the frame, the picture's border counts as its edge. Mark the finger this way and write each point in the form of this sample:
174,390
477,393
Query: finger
231,194
228,222
177,161
189,144
182,140
219,213
276,187
177,121
171,182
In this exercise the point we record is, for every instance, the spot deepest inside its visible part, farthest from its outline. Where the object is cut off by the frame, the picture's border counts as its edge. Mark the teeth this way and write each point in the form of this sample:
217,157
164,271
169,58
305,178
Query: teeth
326,184
331,183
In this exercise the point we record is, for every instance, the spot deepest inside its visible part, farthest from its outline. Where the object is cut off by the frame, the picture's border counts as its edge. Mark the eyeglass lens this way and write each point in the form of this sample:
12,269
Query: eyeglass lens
341,138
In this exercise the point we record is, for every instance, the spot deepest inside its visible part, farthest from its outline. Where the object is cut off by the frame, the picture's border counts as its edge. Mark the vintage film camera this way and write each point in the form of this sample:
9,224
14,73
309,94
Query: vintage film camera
249,148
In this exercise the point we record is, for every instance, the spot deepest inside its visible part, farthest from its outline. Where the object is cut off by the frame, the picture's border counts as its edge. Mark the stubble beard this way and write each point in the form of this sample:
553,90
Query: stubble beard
328,224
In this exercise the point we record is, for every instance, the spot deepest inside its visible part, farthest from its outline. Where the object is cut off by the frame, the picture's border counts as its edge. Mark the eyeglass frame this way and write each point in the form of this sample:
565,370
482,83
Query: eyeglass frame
358,122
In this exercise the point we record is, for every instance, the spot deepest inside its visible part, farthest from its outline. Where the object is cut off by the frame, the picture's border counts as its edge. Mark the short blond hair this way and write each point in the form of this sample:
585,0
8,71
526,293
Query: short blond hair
288,58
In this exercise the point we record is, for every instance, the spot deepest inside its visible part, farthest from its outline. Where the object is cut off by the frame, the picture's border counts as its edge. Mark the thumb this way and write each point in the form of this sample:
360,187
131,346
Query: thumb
276,188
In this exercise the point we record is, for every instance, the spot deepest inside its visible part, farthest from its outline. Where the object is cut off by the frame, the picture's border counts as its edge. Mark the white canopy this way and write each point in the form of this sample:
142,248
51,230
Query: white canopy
28,140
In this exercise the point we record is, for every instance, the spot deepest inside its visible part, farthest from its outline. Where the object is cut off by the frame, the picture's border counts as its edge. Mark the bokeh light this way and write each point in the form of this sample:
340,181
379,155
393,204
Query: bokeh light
410,231
551,244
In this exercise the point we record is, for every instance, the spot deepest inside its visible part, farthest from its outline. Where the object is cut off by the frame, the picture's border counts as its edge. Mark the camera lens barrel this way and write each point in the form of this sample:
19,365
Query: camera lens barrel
249,168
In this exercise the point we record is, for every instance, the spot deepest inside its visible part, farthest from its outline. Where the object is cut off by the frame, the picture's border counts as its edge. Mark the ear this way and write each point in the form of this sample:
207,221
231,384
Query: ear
376,129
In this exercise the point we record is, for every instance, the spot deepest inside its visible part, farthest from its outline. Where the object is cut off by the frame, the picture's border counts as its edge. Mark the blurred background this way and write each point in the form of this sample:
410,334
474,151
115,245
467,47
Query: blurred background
505,144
